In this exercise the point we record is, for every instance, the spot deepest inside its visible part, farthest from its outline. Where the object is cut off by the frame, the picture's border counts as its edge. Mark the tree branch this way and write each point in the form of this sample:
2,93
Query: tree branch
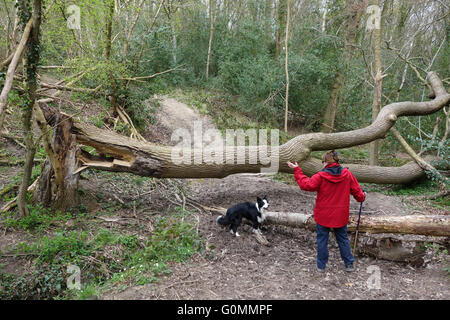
11,70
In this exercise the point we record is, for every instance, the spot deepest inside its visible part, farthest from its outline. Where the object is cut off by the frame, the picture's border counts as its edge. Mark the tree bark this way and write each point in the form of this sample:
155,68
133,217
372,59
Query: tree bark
211,34
353,12
122,154
330,112
324,16
32,59
59,180
286,69
112,81
281,12
410,224
378,85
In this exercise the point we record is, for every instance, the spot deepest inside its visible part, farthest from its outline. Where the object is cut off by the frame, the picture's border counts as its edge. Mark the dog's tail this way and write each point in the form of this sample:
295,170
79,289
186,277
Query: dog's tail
223,220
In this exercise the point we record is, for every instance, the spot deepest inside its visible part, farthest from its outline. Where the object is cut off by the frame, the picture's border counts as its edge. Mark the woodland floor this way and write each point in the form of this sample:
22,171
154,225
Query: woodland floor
241,268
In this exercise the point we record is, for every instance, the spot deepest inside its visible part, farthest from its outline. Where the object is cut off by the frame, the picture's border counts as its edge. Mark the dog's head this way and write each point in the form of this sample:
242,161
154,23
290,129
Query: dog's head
262,203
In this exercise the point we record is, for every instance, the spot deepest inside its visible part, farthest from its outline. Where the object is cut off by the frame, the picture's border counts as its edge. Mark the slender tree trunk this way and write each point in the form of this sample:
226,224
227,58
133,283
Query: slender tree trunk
268,16
33,53
330,112
211,33
11,71
16,25
286,69
378,86
324,16
174,43
281,26
109,22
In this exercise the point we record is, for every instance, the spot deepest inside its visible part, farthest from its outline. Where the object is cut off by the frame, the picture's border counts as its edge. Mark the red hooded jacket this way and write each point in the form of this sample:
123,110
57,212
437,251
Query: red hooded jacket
333,185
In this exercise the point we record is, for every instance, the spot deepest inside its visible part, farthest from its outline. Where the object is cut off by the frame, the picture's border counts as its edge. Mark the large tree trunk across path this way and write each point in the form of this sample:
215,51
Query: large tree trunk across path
122,154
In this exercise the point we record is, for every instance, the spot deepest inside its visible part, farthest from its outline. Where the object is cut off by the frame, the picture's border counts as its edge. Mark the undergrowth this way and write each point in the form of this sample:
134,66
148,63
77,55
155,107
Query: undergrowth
104,257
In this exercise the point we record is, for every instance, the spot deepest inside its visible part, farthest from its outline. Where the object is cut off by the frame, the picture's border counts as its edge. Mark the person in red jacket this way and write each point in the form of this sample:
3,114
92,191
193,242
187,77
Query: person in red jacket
334,185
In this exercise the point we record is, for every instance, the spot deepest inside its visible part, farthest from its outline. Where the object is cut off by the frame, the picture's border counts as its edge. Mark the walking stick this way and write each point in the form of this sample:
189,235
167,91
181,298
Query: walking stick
357,228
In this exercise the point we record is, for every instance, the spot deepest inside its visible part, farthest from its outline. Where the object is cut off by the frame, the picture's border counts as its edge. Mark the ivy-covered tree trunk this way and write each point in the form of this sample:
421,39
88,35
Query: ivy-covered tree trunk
32,59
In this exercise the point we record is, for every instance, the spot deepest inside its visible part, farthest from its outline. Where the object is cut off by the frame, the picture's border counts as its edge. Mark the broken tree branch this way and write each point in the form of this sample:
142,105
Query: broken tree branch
11,70
421,162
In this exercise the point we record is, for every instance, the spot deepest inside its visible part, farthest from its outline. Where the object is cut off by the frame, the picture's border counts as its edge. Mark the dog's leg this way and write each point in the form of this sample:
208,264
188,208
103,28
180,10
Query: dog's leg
233,230
235,233
256,227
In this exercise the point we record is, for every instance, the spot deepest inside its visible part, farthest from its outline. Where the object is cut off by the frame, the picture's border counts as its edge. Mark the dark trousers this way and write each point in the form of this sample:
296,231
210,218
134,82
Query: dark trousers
322,245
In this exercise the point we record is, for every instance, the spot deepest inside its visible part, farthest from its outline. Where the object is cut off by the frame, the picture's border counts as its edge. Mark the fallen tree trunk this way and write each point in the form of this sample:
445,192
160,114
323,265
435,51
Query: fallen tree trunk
393,238
410,224
122,154
118,153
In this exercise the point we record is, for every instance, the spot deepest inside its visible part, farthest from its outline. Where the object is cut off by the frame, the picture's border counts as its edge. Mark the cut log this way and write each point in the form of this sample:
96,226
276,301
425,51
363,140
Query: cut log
409,224
393,238
396,248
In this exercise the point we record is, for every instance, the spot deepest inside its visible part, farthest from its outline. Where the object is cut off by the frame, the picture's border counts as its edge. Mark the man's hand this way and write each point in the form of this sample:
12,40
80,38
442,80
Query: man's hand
292,165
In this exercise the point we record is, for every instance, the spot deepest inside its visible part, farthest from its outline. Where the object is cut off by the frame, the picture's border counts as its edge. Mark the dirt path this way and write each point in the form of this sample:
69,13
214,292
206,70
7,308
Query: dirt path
176,117
240,268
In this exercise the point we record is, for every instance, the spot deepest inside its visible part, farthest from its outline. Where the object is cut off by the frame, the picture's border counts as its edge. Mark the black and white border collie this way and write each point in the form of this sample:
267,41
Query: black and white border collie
255,212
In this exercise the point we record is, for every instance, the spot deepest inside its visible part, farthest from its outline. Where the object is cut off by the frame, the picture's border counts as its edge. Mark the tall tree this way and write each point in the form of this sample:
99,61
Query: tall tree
108,45
353,12
211,33
324,16
286,67
32,59
377,76
281,26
